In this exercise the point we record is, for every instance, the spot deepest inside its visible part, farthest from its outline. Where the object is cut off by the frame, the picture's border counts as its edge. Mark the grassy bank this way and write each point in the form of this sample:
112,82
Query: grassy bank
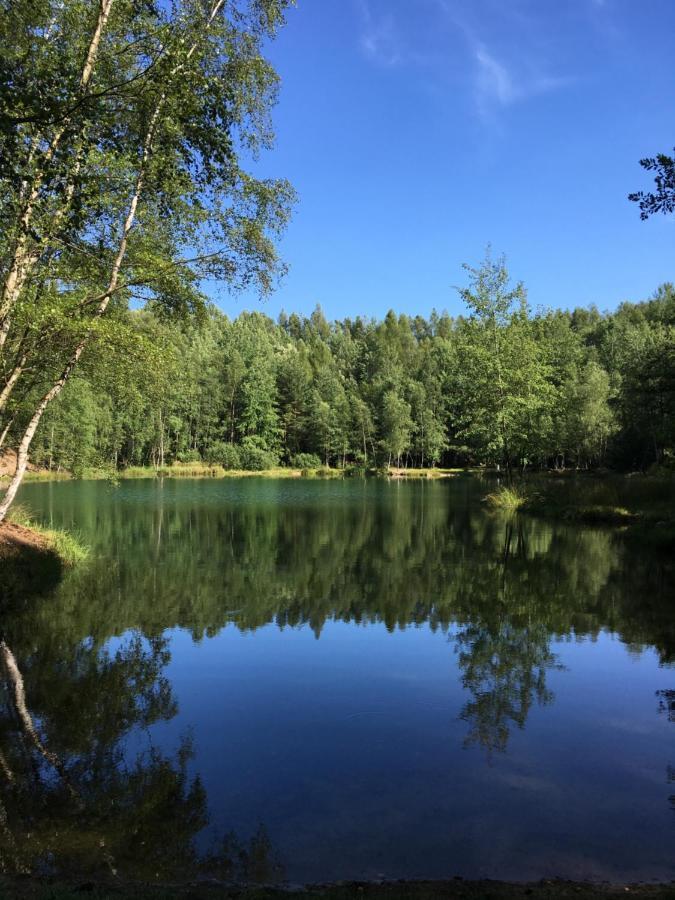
204,470
33,558
64,545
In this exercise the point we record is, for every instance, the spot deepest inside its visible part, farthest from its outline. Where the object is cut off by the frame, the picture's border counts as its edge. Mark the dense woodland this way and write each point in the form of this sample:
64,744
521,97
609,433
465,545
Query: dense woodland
500,385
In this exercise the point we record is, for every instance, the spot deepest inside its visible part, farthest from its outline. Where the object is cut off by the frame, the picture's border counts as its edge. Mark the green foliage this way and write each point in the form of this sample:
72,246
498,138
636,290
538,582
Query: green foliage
305,461
502,388
663,198
255,457
190,456
226,455
124,130
501,369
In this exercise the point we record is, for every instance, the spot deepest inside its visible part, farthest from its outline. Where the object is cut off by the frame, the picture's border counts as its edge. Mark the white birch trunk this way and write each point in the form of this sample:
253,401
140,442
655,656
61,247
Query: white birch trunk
24,257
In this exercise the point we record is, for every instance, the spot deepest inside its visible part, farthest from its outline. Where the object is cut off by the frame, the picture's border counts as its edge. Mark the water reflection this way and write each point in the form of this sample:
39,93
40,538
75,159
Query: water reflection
75,801
667,707
85,683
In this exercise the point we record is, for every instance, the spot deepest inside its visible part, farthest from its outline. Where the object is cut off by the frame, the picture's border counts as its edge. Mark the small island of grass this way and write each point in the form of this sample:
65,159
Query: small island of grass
640,507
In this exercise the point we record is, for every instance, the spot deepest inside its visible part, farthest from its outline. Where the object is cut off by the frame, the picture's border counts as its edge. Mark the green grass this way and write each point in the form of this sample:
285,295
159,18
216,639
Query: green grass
40,475
600,515
66,546
507,498
206,470
178,470
322,472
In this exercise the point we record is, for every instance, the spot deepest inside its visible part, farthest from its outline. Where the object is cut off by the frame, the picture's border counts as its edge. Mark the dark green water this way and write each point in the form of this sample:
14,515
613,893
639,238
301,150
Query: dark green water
315,681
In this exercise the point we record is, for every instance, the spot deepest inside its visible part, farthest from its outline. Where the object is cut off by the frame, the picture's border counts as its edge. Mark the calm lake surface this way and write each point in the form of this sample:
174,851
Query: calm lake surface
311,680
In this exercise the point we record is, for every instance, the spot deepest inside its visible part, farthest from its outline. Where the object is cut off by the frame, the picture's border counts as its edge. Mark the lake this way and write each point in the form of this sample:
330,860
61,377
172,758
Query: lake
313,681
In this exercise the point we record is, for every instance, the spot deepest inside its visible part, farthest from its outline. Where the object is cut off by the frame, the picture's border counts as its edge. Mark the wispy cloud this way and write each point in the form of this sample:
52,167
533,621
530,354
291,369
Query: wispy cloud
501,42
500,85
494,80
502,78
379,38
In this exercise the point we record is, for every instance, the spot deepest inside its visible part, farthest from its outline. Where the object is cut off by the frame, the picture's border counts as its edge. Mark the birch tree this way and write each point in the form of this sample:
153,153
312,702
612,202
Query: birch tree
126,183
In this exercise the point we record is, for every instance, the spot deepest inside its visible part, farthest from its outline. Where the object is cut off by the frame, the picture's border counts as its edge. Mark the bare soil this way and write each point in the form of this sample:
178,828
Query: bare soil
15,540
8,464
29,566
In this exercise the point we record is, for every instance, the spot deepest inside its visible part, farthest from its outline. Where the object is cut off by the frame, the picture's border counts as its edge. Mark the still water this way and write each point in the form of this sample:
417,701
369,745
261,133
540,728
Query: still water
311,680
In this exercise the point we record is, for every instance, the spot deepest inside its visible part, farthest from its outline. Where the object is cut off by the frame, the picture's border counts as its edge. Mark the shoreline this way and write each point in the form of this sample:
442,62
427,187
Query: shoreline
28,887
204,470
33,558
29,563
647,521
19,539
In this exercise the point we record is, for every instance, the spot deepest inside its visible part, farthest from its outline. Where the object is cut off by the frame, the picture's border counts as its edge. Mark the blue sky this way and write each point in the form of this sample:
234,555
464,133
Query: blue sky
417,131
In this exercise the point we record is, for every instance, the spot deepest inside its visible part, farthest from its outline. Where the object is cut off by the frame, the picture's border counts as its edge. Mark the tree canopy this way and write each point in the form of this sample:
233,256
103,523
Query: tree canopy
544,389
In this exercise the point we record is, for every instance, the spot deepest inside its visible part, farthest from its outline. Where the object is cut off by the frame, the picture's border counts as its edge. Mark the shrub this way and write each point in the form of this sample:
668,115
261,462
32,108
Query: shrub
356,471
305,461
189,456
256,458
225,455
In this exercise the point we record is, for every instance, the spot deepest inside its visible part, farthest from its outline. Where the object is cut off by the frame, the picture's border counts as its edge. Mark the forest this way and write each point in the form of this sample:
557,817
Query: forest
499,386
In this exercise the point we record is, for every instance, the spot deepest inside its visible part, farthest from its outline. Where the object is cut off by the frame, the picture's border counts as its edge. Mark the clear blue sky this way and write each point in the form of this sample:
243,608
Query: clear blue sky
417,131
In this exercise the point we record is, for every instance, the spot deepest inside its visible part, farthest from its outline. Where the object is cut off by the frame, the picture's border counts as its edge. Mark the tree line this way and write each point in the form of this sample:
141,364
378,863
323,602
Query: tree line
500,386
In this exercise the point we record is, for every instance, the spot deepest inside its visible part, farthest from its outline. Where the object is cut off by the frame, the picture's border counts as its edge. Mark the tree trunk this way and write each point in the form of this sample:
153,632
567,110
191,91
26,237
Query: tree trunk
103,301
15,680
11,381
5,431
29,433
161,439
23,258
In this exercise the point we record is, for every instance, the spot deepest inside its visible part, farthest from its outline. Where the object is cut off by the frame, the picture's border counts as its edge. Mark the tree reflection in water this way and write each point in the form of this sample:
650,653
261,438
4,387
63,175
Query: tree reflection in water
505,588
667,706
73,802
504,653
